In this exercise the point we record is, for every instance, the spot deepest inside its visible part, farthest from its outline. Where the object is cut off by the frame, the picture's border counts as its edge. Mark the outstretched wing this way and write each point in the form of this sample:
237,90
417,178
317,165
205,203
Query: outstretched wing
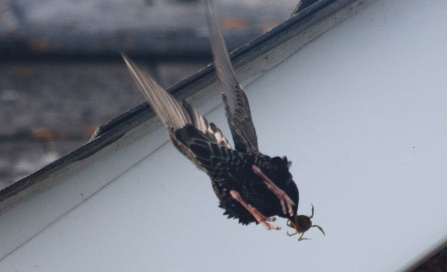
236,102
171,113
174,115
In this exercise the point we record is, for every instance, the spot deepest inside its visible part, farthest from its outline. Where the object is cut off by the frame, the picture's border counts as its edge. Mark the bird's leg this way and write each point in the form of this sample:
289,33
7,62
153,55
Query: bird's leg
256,214
282,196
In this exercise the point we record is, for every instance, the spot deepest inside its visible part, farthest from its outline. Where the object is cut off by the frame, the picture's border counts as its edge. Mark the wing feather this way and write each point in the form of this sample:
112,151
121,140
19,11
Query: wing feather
171,113
174,115
236,103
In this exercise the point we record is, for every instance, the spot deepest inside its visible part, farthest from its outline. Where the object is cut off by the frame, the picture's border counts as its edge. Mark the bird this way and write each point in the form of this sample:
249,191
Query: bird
251,186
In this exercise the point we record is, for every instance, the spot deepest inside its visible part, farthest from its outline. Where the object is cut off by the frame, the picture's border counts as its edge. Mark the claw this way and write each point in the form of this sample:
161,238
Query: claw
269,226
320,228
256,214
312,215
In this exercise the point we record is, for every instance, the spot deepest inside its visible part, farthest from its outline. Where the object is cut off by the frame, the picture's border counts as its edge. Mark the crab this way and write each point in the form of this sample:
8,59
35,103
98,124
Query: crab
302,224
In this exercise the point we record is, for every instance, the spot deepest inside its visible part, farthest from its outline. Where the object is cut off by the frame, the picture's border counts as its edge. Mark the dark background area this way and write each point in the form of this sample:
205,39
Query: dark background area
61,74
49,108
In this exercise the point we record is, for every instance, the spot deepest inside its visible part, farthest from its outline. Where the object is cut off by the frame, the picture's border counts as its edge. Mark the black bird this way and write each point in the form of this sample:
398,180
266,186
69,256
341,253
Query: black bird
250,186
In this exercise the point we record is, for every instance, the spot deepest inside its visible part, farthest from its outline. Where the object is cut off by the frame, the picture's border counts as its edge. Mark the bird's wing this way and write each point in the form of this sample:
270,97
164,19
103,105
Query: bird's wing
209,129
217,160
174,115
236,102
164,104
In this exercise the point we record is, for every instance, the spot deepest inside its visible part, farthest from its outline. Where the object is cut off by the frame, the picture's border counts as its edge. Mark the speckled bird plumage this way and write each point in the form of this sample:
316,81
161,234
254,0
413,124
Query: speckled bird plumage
250,186
231,170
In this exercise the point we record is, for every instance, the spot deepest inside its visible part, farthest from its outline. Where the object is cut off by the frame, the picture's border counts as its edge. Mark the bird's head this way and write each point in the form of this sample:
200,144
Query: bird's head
301,224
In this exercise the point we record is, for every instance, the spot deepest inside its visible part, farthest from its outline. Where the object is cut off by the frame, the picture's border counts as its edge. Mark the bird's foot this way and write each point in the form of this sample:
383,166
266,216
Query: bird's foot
260,218
286,203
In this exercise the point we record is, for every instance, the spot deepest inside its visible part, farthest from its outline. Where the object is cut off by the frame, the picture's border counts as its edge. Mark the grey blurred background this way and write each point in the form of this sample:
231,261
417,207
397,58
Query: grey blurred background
61,74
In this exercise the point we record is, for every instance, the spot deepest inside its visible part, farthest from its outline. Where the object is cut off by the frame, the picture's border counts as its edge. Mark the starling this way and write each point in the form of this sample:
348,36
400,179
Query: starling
250,186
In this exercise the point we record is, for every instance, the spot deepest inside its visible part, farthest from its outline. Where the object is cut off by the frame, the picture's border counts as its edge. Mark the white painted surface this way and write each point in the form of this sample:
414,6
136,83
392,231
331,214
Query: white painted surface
362,114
